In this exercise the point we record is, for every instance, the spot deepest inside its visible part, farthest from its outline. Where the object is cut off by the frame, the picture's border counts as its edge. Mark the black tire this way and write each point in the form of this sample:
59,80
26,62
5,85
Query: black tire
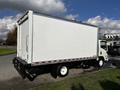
85,65
100,63
62,71
54,72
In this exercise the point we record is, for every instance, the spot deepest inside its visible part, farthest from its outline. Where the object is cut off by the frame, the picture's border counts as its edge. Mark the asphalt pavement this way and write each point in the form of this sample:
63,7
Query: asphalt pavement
11,80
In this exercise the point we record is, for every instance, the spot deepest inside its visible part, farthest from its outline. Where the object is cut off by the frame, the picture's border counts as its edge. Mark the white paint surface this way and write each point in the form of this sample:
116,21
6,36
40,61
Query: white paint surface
55,39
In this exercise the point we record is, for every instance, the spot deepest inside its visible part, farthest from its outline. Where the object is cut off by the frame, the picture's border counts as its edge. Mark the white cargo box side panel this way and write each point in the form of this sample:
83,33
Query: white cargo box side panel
55,39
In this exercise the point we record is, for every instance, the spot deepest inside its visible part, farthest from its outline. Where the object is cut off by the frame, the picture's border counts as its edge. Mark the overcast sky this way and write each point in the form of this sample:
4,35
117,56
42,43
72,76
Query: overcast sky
103,13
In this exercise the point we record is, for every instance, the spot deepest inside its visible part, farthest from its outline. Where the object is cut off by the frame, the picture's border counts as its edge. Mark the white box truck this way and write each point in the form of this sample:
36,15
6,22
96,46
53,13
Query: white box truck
55,45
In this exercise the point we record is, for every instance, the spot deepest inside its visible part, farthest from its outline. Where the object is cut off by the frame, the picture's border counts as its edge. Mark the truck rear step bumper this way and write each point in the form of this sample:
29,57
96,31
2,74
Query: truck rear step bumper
23,68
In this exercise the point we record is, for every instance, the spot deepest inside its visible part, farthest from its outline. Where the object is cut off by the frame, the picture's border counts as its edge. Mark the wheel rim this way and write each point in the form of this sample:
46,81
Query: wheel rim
101,63
63,70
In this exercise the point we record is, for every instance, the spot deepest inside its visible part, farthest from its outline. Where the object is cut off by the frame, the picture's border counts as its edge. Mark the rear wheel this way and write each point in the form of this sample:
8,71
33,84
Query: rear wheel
59,70
63,71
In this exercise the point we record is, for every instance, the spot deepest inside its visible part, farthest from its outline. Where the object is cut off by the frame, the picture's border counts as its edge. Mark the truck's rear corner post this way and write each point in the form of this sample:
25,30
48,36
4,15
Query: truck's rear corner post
18,31
30,36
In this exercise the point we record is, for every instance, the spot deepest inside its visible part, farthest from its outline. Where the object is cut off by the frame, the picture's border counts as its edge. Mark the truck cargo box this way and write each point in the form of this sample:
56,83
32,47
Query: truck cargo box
44,39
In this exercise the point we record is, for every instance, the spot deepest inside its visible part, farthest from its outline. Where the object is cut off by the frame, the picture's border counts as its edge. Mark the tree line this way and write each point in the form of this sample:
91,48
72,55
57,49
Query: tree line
12,37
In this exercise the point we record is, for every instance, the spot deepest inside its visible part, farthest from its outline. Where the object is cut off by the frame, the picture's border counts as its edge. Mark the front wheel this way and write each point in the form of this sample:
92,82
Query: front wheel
100,63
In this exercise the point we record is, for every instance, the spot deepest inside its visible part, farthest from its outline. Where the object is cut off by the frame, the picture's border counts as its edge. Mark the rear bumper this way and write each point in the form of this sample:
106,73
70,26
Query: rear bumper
20,65
18,60
23,68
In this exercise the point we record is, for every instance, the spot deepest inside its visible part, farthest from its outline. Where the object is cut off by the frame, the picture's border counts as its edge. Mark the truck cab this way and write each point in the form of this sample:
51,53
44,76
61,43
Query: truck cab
102,53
